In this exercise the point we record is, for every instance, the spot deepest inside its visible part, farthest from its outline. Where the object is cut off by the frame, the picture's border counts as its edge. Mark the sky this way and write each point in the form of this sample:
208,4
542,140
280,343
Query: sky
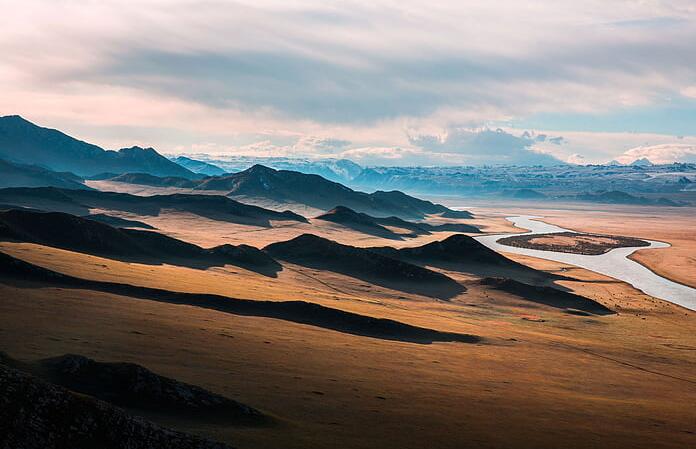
378,82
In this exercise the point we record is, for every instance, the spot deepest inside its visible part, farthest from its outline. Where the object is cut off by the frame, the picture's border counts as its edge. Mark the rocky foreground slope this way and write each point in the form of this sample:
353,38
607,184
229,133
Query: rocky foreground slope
35,414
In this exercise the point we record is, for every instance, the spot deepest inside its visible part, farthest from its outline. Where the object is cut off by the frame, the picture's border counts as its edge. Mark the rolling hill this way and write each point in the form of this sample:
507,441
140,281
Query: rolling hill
118,222
323,254
20,175
303,312
146,179
87,236
380,226
80,202
463,253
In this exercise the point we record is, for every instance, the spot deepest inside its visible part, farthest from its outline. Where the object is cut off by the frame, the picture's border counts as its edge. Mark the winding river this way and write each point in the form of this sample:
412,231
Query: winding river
614,263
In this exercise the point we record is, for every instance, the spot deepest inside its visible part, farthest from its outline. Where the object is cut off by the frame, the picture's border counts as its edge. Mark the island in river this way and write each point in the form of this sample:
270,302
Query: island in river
572,242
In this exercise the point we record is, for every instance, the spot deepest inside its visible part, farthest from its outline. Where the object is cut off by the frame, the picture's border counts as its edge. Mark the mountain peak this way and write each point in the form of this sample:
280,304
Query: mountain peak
341,210
259,169
14,117
16,121
642,162
136,148
24,142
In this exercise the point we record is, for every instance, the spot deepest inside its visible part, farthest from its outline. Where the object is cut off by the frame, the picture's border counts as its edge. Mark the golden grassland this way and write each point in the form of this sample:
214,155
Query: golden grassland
541,378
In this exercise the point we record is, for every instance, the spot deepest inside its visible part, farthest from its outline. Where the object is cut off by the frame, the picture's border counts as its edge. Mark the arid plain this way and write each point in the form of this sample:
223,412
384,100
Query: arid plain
538,375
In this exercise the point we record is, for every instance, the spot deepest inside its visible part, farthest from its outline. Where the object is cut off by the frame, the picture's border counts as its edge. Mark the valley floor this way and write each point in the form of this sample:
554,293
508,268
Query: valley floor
541,377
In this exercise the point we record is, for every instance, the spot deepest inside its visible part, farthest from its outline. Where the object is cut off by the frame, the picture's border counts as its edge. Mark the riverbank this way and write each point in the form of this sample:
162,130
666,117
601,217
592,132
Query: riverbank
675,225
614,263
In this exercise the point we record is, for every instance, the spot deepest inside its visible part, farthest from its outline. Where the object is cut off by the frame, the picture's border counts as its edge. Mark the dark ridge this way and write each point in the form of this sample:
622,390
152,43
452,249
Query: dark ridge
461,252
101,176
523,194
80,202
361,222
548,296
48,193
315,191
19,273
458,249
201,167
19,175
132,386
246,256
118,222
408,203
377,225
323,254
301,188
154,181
84,235
24,142
4,207
451,227
38,415
619,197
458,214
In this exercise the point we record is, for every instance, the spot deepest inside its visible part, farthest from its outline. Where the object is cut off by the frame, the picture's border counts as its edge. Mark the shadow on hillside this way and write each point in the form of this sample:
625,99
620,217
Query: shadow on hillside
375,231
548,296
440,287
207,259
22,274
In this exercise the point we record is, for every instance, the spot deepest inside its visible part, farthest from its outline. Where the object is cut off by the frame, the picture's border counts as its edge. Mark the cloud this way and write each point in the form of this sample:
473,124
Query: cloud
661,154
296,75
486,146
402,156
576,159
360,63
320,145
600,147
389,155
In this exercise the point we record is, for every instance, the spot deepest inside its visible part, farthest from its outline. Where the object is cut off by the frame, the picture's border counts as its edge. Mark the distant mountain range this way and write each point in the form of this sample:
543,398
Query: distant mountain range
284,186
200,167
33,156
339,170
643,162
618,197
26,143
